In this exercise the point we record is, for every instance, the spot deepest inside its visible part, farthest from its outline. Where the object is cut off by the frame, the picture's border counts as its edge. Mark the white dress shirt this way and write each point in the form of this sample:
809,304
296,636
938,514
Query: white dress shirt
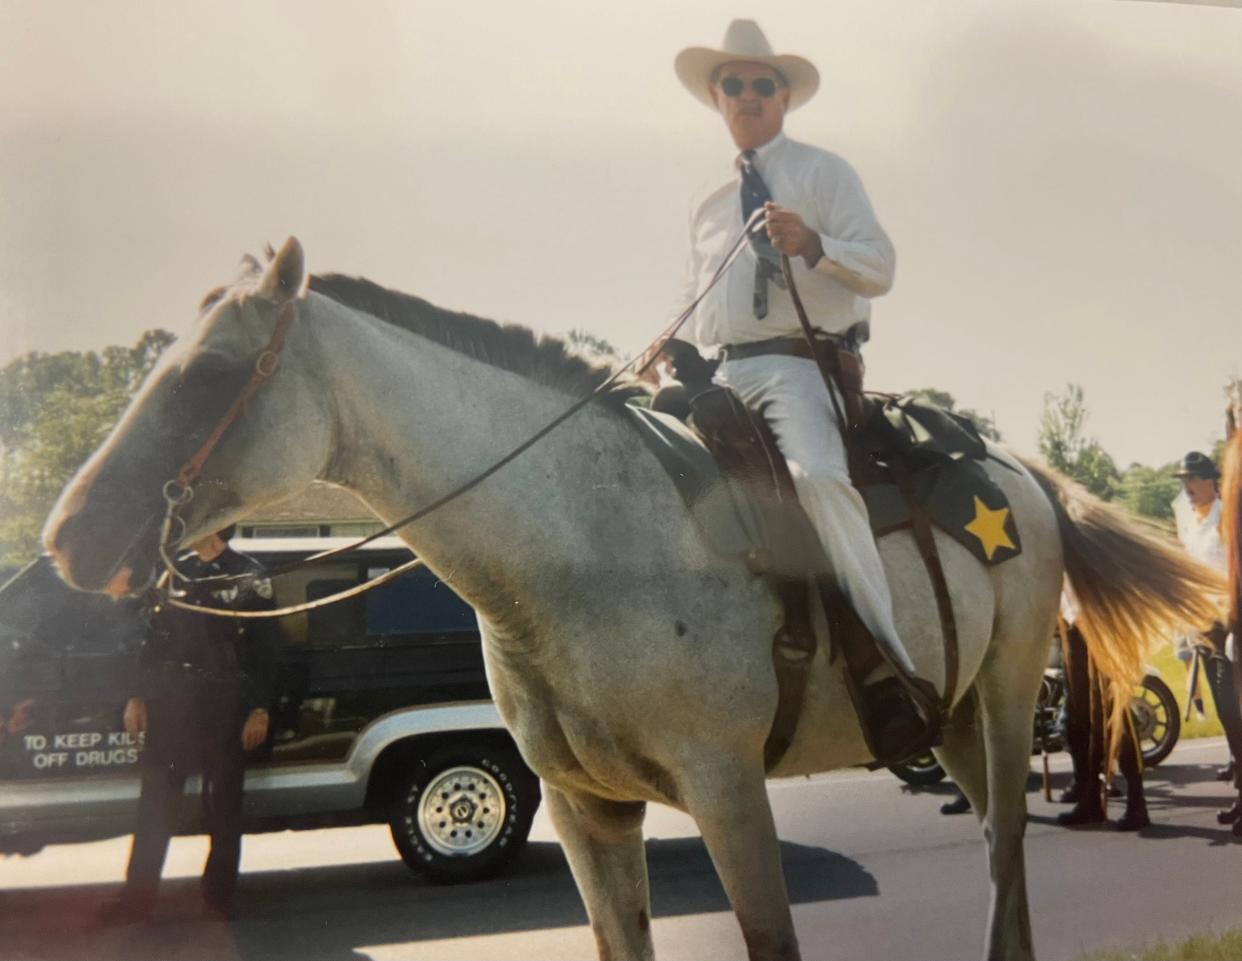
826,193
1200,535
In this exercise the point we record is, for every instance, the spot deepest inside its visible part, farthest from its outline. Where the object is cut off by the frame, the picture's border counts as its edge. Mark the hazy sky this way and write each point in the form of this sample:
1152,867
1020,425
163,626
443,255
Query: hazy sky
1062,180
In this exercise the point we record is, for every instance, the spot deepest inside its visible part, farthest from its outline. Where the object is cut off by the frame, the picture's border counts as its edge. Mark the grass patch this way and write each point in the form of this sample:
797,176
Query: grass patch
1223,946
1174,674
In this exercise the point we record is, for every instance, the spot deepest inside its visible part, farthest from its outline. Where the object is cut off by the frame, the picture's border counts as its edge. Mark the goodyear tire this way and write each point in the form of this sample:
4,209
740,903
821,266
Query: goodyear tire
464,812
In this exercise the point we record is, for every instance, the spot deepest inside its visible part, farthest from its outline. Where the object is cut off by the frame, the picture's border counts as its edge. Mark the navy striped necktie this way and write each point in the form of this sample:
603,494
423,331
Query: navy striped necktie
755,194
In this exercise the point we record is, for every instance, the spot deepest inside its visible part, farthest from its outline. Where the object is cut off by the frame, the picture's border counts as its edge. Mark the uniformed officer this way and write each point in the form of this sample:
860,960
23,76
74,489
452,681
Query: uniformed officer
1085,728
205,683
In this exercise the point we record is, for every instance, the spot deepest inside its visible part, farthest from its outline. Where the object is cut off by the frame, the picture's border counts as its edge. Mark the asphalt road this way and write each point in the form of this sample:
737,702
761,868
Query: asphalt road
873,870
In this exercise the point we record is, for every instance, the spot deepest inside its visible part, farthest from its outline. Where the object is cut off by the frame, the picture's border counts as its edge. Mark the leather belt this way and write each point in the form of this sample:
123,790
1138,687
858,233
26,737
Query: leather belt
787,346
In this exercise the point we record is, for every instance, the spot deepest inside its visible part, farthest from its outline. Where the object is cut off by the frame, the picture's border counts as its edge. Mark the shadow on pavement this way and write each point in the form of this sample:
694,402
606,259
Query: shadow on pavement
947,789
1161,786
330,913
1159,783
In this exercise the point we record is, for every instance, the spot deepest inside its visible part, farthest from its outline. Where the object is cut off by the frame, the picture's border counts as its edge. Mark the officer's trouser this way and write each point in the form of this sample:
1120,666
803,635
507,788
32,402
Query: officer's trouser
1221,678
1085,726
792,395
158,813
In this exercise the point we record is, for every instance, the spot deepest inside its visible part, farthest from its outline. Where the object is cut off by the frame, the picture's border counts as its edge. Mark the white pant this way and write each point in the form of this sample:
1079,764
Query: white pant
792,395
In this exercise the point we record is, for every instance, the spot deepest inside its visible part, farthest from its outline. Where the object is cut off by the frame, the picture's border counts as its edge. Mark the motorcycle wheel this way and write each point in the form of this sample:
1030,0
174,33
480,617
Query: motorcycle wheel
1157,719
922,770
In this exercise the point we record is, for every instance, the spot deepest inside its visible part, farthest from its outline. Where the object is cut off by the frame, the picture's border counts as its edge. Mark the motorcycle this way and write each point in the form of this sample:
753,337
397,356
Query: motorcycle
1157,721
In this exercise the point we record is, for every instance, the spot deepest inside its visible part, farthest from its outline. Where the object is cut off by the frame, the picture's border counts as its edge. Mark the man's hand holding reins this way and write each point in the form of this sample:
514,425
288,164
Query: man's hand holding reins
790,235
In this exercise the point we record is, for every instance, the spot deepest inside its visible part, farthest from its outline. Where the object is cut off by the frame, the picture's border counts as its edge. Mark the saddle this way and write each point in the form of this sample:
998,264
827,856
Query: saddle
915,465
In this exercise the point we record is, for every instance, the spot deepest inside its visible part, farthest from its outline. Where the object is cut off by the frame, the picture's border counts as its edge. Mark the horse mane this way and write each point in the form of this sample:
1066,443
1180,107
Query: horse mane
1231,524
545,360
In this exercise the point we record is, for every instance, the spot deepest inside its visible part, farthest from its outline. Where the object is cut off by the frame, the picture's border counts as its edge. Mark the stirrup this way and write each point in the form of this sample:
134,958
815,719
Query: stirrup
892,703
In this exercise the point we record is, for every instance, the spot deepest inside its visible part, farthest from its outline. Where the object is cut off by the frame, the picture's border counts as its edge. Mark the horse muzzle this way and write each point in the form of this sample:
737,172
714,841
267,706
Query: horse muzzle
103,555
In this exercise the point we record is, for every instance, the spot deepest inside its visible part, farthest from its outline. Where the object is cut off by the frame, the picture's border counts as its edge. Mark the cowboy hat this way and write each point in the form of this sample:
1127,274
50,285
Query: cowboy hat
744,41
1196,464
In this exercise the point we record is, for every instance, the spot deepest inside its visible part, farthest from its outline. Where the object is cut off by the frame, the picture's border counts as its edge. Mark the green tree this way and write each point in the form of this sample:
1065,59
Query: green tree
943,399
1149,491
55,409
1064,444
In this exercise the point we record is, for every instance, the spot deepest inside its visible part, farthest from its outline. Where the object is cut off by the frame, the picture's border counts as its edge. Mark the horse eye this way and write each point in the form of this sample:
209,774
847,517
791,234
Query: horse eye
205,383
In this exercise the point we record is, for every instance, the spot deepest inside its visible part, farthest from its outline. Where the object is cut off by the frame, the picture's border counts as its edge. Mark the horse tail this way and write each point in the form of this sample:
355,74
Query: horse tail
1135,586
1231,525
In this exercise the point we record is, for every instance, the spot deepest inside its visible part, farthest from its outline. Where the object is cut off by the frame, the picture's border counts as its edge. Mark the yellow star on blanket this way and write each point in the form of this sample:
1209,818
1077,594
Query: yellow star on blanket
989,527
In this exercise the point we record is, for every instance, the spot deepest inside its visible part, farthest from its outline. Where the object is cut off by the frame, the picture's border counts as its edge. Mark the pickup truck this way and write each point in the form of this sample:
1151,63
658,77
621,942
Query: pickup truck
381,715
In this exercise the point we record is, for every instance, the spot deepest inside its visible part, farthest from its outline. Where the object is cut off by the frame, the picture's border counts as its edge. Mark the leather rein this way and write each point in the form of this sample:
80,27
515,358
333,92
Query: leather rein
179,491
924,539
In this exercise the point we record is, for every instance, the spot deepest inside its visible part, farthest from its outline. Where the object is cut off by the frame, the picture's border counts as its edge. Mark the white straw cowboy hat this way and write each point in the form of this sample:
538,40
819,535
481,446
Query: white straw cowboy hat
744,41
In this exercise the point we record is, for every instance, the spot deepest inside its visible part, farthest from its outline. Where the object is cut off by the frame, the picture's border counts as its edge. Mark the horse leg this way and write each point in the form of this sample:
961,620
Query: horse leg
963,754
1006,706
730,805
603,841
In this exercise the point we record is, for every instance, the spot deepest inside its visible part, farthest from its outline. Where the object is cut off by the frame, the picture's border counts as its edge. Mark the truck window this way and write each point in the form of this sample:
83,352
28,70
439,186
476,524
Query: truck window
329,626
416,603
338,624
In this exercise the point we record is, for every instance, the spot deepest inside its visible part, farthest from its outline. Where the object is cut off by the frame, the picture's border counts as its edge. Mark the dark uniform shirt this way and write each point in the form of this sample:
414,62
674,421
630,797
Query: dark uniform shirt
201,675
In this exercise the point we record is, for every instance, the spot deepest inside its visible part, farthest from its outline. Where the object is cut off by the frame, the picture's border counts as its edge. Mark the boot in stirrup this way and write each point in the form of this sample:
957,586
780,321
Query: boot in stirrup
903,722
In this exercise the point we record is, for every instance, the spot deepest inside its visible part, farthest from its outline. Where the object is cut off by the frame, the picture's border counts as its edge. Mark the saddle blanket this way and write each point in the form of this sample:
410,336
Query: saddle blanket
940,453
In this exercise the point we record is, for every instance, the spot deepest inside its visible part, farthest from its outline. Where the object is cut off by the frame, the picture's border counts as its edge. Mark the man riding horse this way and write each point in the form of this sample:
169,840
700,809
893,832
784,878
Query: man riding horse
817,214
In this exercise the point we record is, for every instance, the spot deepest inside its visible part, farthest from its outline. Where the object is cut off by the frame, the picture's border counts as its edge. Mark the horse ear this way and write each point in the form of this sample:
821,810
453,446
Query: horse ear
284,275
249,267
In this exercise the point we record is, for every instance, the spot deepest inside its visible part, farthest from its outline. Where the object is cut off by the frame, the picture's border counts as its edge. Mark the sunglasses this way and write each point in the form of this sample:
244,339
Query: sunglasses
762,86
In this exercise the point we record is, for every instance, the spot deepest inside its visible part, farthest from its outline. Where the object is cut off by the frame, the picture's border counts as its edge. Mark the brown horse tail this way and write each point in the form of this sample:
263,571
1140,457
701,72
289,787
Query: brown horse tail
1135,587
1231,526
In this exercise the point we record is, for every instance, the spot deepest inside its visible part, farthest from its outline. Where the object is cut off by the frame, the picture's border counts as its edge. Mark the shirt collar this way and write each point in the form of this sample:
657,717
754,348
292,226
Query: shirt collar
1182,505
764,153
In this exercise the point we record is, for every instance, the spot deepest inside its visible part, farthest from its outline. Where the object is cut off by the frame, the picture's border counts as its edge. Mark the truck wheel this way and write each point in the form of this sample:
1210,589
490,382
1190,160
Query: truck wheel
464,811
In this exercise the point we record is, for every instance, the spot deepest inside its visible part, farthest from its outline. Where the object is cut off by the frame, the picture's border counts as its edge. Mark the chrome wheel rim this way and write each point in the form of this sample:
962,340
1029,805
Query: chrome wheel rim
462,811
1149,720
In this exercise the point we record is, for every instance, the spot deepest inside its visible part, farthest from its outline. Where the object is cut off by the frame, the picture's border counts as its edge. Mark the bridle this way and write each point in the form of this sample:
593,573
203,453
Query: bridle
179,491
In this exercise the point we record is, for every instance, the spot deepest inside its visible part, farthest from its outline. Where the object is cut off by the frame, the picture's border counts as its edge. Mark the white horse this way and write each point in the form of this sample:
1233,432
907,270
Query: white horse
630,662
